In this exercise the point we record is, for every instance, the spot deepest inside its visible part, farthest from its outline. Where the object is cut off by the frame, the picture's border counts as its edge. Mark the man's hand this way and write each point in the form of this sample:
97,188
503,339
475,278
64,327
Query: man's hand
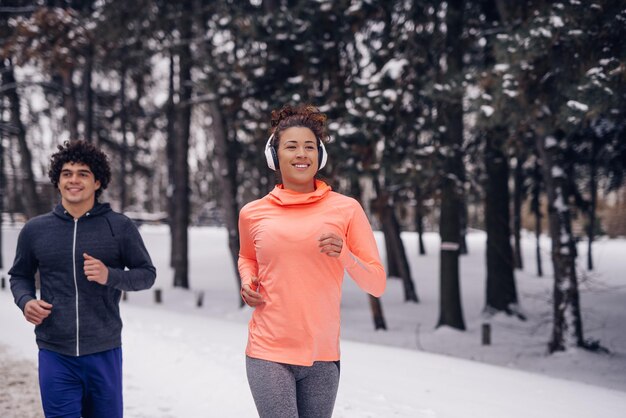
250,296
330,244
95,270
36,311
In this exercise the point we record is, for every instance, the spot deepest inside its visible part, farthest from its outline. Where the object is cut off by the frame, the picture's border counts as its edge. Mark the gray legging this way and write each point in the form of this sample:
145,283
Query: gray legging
287,391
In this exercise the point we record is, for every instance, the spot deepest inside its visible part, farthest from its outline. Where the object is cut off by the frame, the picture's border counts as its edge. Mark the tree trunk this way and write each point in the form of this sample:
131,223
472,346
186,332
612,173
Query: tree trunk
391,230
501,290
30,199
538,242
224,160
88,91
382,208
181,169
170,146
2,180
463,250
13,189
69,103
377,313
450,309
593,186
376,306
451,116
535,206
419,223
226,177
567,329
393,270
517,211
124,148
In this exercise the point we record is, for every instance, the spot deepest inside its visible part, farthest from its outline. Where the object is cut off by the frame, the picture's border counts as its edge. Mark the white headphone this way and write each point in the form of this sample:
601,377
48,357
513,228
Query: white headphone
272,157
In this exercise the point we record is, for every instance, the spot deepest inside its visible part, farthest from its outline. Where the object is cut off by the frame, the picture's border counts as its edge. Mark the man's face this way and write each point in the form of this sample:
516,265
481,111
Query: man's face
77,184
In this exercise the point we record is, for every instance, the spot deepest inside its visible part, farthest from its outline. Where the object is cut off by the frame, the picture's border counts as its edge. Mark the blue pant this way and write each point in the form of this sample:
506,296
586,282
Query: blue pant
87,386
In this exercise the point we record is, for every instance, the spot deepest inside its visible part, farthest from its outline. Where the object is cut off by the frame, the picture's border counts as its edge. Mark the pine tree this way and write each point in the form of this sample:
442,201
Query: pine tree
450,118
499,133
555,63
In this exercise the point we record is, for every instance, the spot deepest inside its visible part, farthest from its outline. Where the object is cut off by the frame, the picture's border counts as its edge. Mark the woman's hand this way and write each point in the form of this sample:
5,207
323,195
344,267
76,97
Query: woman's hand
252,297
330,244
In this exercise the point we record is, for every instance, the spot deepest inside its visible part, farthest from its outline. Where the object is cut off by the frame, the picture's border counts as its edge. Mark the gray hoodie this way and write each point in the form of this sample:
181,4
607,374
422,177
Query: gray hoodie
85,316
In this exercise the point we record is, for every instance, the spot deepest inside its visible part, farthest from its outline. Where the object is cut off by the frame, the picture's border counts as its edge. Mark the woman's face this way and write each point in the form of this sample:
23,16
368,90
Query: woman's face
298,159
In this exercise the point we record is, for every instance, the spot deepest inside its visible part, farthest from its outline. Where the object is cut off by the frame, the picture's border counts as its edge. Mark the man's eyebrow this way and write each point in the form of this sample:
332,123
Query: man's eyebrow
306,142
80,170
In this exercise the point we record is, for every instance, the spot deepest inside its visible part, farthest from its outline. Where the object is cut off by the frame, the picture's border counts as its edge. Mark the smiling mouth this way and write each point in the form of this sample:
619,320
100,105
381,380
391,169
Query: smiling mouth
301,165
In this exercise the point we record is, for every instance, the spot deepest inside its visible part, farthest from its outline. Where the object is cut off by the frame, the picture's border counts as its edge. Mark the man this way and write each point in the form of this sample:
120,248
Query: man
86,255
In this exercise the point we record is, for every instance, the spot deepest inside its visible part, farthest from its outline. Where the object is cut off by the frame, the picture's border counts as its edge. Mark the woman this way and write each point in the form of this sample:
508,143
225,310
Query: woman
295,244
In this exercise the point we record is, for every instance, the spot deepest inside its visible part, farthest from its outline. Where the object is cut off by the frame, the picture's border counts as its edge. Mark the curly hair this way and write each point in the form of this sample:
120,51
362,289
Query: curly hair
84,153
304,115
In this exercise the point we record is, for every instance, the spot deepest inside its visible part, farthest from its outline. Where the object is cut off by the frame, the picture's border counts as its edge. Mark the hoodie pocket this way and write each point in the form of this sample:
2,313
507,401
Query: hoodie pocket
60,325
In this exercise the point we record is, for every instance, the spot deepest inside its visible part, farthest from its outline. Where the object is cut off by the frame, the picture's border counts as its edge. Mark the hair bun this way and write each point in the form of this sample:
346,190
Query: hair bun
307,111
303,115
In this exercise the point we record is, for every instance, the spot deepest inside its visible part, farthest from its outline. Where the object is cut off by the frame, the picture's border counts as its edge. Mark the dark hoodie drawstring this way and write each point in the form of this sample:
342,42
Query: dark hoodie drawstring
110,226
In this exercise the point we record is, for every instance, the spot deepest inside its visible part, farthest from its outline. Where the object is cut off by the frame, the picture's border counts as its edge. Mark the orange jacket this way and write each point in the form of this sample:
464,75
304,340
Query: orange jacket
299,321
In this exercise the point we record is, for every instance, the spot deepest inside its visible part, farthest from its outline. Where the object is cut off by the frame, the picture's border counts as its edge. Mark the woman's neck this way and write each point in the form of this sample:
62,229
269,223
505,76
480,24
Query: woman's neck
300,188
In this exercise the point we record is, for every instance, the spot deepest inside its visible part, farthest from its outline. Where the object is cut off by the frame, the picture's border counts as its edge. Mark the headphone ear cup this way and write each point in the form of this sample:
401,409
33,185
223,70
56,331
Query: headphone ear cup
274,158
270,154
322,155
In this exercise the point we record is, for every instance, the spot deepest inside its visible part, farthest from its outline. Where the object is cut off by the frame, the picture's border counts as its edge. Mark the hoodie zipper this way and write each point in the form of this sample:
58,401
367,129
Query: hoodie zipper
76,286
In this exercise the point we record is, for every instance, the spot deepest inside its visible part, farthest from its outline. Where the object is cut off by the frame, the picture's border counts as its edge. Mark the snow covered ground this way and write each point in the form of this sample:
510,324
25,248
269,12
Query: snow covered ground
185,361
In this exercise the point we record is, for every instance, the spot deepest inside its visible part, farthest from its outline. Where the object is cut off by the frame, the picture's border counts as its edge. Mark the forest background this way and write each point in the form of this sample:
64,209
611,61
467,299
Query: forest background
444,116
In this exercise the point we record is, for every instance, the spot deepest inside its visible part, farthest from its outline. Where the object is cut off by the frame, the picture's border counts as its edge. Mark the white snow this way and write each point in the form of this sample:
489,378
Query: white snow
550,141
184,361
392,68
390,94
541,31
556,21
577,105
487,110
557,172
559,204
501,67
594,71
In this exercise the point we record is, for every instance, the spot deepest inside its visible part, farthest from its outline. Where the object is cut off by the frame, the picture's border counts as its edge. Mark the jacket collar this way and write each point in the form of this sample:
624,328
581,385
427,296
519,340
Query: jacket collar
284,197
97,210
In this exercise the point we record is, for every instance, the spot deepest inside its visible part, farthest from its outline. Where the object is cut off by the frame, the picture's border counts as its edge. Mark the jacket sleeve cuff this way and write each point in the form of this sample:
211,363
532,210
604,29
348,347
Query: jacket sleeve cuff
23,301
115,278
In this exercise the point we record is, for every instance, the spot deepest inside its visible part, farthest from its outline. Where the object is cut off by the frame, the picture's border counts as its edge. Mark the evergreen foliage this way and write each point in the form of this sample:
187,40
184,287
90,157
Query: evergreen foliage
420,110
